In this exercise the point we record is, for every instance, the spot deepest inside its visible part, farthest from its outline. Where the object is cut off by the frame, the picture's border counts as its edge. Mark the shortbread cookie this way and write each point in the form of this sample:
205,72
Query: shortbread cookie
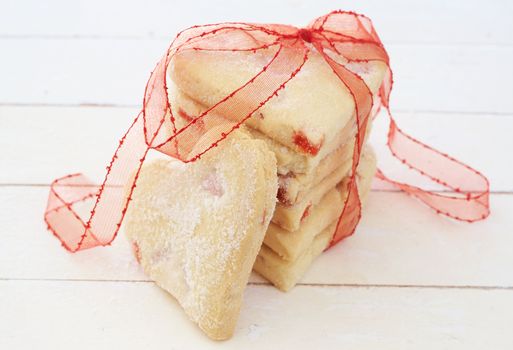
284,274
307,116
197,227
293,188
186,109
292,161
290,245
289,216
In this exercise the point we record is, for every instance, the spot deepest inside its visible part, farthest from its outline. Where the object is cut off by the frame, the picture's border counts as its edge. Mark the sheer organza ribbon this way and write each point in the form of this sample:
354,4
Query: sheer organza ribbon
341,38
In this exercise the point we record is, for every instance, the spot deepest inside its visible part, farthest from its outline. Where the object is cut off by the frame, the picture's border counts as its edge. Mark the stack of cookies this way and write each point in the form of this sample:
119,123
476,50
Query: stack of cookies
310,127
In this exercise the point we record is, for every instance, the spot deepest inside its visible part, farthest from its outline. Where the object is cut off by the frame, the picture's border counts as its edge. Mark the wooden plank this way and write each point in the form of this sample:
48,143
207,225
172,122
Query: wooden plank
479,140
68,71
78,71
460,22
399,242
85,315
57,141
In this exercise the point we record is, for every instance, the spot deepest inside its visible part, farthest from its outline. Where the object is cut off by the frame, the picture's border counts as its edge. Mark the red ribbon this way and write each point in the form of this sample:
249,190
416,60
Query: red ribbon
339,37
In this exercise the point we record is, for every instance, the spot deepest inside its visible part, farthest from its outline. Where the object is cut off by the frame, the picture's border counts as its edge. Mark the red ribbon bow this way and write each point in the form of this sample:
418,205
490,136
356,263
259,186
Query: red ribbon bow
340,38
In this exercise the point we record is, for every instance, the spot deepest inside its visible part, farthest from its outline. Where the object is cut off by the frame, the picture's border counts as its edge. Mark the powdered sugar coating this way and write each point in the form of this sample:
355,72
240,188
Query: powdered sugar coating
315,102
199,226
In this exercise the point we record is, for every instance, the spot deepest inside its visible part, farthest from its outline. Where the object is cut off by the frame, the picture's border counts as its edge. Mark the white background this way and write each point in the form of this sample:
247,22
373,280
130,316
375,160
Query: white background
72,76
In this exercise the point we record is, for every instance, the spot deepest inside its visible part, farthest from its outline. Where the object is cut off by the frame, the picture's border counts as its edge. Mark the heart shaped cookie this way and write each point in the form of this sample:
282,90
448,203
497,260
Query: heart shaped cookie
311,115
197,227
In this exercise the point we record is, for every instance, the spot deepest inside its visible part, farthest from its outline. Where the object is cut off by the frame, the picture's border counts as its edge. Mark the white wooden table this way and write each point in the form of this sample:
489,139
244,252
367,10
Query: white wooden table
72,76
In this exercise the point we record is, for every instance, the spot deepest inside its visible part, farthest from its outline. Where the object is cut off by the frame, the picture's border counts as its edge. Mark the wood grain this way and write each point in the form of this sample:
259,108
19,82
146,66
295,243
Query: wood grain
55,141
391,247
458,22
85,315
68,71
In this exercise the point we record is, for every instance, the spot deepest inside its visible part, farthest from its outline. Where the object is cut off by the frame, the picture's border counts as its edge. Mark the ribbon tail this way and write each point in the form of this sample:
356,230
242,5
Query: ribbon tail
467,198
71,193
351,213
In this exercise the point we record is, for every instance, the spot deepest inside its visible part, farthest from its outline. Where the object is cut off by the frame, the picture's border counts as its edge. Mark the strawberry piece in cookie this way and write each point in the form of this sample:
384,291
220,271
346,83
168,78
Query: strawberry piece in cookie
212,184
305,144
306,212
264,217
136,251
283,183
